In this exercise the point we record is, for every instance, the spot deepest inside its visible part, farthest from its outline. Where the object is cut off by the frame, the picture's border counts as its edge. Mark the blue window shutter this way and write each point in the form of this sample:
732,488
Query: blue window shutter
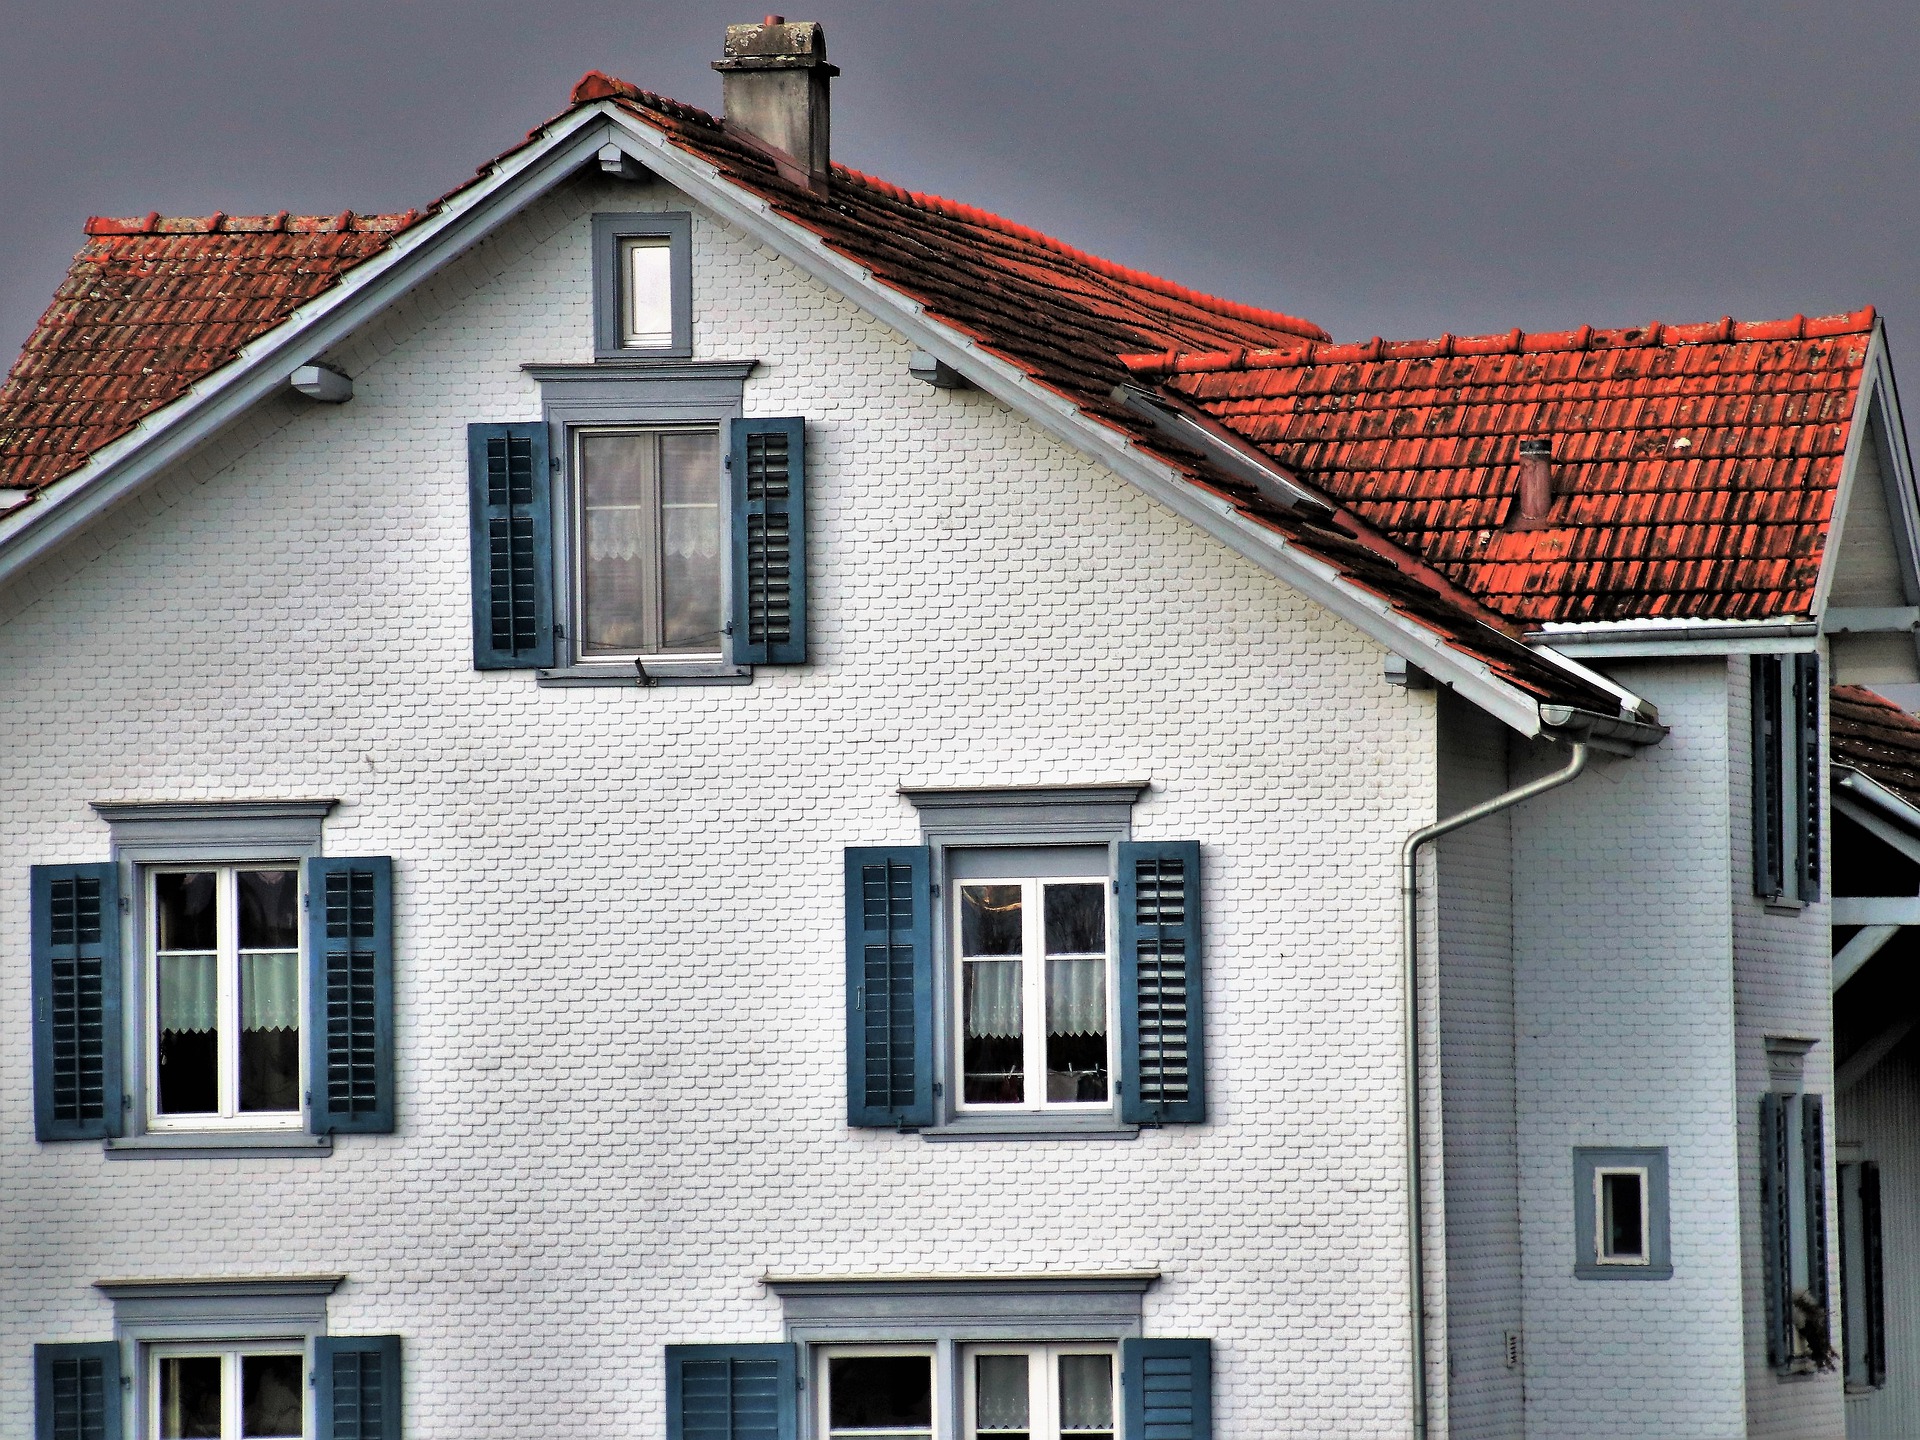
1769,831
356,1387
1806,704
1873,1264
1775,1235
1813,1156
733,1392
350,995
76,1002
890,1036
767,467
1167,1389
1163,1077
510,498
76,1391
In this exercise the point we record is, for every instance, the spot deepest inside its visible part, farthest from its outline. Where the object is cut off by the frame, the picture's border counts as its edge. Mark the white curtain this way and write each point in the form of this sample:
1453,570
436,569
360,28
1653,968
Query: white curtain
993,999
1000,1392
1076,997
270,991
615,532
189,993
1086,1392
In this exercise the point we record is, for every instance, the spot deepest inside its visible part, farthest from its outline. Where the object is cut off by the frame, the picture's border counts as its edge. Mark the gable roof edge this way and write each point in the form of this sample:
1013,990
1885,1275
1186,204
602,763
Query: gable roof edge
1878,397
126,464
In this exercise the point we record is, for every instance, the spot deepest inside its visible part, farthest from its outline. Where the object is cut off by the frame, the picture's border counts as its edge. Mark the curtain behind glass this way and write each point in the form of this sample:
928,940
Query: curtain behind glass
1077,997
270,991
189,988
993,999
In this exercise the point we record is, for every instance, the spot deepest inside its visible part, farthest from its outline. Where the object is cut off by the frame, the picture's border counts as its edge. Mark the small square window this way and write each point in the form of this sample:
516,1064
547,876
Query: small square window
642,286
1620,1215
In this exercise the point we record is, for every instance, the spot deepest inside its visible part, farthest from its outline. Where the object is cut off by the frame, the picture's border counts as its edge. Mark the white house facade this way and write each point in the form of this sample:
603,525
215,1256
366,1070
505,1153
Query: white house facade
692,797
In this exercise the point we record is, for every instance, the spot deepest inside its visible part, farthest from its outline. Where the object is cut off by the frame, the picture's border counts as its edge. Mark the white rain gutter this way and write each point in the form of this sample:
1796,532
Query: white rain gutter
1410,950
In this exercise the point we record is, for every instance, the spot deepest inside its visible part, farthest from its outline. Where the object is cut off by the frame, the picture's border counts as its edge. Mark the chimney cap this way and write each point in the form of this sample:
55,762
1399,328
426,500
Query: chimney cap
1542,449
774,44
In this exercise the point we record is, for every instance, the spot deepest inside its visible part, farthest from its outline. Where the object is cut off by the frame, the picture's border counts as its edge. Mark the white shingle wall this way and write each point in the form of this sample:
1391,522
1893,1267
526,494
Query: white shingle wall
618,910
1624,1013
1783,984
1475,887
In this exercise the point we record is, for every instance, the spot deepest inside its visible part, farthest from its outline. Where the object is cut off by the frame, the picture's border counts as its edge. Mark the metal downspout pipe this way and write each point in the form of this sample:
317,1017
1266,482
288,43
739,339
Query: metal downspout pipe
1410,949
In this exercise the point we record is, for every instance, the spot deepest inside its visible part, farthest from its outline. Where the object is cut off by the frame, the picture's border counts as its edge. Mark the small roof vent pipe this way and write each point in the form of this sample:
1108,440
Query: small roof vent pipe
774,89
1535,497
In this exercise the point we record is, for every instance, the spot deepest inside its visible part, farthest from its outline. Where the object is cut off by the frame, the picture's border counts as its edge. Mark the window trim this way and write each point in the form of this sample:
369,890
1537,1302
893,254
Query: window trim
626,393
609,230
1589,1164
1016,817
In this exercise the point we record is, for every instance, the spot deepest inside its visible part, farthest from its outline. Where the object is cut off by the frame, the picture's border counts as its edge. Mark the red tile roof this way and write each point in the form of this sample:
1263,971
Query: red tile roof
1876,737
1695,467
148,307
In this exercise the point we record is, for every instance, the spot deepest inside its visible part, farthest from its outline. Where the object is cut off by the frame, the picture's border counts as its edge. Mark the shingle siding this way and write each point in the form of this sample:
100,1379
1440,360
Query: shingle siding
617,912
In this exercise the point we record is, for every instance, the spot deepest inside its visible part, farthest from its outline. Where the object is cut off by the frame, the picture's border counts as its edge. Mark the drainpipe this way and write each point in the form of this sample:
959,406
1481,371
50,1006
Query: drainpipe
1410,948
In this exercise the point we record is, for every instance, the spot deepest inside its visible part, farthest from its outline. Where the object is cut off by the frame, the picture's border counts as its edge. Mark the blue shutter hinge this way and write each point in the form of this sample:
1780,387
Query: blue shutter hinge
859,997
125,904
938,1089
126,1101
934,889
727,460
559,631
553,463
727,629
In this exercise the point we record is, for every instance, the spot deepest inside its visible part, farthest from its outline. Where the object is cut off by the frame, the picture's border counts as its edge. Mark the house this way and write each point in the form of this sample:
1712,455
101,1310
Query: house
692,795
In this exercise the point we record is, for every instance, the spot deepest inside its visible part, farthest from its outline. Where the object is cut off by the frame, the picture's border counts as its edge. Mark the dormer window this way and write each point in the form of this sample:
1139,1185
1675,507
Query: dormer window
643,286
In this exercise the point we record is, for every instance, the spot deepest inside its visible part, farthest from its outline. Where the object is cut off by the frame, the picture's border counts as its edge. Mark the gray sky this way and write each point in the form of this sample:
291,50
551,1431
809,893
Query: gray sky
1399,169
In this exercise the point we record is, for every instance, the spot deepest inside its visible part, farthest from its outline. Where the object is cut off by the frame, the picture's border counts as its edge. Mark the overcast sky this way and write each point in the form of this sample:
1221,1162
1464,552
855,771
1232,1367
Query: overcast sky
1400,169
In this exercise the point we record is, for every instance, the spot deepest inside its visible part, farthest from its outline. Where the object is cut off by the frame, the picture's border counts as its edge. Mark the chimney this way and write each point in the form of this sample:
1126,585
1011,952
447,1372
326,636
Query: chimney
773,87
1535,499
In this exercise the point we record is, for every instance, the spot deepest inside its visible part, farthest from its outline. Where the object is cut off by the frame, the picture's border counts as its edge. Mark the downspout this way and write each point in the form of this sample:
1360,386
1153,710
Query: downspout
1410,948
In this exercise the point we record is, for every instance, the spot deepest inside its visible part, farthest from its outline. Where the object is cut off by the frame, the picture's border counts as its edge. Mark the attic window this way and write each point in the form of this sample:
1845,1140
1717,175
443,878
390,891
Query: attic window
643,286
646,300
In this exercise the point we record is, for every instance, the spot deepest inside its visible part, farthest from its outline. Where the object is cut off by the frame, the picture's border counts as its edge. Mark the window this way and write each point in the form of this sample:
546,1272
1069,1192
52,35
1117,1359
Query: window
647,543
877,1394
225,996
1039,1392
236,1392
1620,1214
1793,1209
642,285
1786,778
1034,986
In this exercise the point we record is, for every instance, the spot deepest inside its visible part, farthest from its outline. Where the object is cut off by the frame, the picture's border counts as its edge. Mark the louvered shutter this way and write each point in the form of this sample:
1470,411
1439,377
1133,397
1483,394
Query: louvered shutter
1872,1266
510,500
76,1391
732,1392
1776,1236
1162,1046
1167,1389
356,1387
1806,704
76,1002
1813,1156
350,995
766,465
889,986
1769,831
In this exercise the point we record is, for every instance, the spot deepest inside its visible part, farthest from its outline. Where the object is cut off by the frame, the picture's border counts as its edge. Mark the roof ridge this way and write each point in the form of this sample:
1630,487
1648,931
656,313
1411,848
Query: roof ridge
221,223
1112,269
1725,330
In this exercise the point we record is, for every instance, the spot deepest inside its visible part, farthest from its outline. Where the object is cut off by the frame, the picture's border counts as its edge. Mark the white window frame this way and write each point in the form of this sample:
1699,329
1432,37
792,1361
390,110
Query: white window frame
230,1354
822,1387
625,248
612,302
575,512
1043,1398
230,1116
1033,960
1601,1256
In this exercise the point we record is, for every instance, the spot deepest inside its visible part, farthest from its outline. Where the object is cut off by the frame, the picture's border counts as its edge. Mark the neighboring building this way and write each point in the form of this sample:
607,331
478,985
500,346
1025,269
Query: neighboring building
694,796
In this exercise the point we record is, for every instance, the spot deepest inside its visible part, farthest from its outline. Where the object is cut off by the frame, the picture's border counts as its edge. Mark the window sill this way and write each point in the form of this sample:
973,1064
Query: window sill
657,672
1623,1272
218,1145
1031,1127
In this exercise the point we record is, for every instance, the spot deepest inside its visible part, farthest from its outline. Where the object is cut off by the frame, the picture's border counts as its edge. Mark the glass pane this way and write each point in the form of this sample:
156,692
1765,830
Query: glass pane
1621,1223
270,1031
1086,1392
1000,1394
616,539
271,1396
1077,1031
184,907
190,1397
990,920
648,312
994,1056
1077,919
690,541
269,909
188,1049
885,1393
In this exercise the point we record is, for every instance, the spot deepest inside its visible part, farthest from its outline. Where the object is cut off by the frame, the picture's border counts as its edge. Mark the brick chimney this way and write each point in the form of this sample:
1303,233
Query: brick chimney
773,86
1535,497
